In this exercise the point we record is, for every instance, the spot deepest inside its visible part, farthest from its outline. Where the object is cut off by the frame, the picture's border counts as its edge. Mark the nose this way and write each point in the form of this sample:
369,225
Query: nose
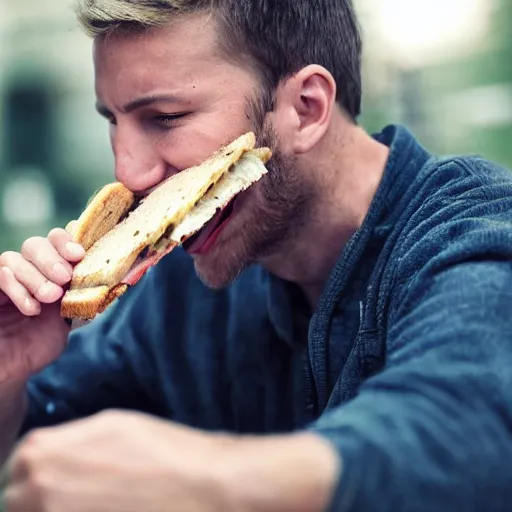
137,165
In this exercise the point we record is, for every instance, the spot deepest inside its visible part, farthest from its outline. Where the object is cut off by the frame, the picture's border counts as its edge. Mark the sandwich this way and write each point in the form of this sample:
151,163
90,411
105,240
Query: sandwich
124,236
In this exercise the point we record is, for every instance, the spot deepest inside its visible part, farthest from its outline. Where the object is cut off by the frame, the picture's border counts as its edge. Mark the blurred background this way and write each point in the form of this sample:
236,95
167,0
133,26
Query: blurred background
441,67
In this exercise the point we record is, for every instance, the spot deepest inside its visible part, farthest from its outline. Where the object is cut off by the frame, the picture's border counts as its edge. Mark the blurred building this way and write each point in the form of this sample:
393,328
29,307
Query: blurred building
442,67
54,148
475,91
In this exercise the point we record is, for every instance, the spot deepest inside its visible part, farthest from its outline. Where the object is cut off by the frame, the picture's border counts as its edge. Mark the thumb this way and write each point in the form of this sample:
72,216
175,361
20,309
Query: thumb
71,227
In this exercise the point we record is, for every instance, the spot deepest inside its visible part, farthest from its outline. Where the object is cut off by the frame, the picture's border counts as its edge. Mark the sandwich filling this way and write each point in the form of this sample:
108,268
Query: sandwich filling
204,239
200,228
147,259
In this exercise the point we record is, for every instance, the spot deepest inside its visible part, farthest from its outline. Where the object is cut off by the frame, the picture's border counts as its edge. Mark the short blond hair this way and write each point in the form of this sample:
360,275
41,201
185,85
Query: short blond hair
100,17
277,37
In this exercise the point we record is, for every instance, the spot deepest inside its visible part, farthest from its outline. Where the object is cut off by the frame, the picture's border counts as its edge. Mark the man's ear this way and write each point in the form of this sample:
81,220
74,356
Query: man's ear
310,96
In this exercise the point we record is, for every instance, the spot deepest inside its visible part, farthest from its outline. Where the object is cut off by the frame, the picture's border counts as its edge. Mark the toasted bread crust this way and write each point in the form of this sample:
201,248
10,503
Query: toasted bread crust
86,304
103,212
264,154
114,293
83,306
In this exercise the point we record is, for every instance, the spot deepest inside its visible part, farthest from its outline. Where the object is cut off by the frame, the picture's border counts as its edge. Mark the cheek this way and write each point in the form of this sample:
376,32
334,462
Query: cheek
254,203
278,130
191,144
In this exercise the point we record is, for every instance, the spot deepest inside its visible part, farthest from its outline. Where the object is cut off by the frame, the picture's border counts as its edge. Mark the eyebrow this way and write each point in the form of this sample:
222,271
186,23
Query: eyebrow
139,103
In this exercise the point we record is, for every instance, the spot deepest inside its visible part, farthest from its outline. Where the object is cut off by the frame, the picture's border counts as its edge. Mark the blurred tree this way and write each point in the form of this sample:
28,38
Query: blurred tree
32,142
470,97
29,129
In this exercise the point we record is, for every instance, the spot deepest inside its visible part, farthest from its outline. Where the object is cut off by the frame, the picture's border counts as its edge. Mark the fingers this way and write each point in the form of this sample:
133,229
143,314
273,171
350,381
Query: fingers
39,273
17,471
16,499
45,264
53,256
13,470
71,227
17,293
66,247
26,286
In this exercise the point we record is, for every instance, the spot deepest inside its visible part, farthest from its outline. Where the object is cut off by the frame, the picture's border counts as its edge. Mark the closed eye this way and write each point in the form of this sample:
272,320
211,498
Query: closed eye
161,120
168,120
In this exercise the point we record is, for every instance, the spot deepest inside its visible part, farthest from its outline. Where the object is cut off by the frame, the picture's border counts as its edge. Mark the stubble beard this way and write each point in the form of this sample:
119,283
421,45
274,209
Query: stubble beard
277,209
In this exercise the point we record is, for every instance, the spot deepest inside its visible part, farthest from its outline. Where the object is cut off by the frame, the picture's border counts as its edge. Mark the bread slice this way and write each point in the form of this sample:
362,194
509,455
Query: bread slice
111,257
104,211
264,154
86,303
247,171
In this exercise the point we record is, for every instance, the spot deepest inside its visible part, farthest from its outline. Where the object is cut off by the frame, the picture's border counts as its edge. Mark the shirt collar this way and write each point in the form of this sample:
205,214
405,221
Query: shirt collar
406,158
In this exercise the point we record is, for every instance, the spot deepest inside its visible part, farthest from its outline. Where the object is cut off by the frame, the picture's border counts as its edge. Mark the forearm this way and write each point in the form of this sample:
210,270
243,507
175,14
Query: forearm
281,473
418,453
13,407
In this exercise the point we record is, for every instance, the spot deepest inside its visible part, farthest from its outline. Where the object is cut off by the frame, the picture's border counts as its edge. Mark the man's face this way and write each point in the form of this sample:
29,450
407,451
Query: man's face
172,99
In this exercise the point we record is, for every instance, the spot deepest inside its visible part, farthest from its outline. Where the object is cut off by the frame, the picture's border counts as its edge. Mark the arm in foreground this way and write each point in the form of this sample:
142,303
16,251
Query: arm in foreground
129,461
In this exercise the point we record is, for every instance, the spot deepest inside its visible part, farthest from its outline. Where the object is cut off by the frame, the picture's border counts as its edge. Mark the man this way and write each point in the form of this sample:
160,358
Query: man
346,342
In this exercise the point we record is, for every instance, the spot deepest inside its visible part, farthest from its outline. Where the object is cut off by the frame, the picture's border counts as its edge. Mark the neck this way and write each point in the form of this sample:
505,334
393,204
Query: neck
347,177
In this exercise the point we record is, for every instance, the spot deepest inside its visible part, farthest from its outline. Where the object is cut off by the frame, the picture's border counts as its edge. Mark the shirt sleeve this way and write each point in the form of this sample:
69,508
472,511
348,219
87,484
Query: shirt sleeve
432,431
107,364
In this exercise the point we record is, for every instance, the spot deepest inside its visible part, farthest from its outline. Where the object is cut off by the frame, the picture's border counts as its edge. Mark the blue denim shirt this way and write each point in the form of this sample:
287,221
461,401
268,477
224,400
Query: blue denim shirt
405,366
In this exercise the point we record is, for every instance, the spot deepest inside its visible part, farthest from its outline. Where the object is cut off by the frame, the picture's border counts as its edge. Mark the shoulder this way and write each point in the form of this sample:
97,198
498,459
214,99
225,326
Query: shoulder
458,176
459,198
461,212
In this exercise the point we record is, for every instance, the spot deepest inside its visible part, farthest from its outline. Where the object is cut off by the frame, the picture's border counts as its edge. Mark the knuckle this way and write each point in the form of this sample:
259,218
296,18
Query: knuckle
35,491
11,500
28,454
29,450
38,486
112,417
57,234
31,245
29,461
8,258
108,415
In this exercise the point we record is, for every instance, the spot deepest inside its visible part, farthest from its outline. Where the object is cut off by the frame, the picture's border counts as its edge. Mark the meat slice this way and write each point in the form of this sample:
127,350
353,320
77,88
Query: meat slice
141,266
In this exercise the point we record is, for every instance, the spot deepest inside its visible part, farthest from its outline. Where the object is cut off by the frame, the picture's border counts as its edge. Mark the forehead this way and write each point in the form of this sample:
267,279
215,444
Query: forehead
185,50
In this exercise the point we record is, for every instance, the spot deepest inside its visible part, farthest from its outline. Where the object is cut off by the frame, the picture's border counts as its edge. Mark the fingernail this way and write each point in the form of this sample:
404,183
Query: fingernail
31,306
61,273
75,249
